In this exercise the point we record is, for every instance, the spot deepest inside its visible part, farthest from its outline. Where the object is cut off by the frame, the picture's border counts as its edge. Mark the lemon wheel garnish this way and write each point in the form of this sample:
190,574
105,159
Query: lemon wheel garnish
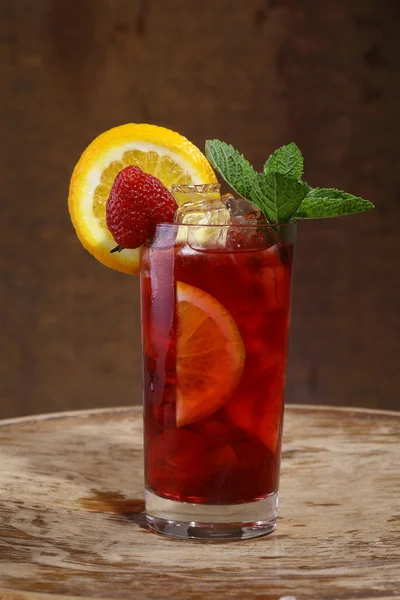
156,150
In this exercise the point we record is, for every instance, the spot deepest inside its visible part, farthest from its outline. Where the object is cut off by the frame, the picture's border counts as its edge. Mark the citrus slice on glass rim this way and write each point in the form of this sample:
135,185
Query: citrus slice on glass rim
156,150
210,354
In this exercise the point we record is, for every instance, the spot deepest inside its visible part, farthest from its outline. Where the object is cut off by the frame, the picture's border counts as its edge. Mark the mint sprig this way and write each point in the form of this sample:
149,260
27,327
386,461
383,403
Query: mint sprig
279,192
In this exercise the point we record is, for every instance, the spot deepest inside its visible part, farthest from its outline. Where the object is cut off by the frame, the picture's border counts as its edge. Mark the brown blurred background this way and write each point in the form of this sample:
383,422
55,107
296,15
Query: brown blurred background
255,73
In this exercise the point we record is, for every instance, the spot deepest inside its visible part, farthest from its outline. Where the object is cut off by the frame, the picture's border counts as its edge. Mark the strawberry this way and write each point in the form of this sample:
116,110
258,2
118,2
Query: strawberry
137,202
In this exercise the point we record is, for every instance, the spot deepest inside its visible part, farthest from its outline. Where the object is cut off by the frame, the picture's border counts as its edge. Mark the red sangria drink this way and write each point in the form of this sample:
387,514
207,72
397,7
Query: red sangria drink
215,319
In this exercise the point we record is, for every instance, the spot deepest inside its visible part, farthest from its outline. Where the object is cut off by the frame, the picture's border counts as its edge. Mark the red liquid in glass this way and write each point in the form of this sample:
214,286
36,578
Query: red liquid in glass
233,455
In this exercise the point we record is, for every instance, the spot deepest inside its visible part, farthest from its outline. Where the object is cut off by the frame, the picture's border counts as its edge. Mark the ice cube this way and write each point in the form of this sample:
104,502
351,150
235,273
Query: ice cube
205,212
196,193
241,211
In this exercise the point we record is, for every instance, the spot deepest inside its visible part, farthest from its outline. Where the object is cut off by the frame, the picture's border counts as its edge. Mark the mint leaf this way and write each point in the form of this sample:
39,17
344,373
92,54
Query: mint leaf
328,193
232,166
287,160
277,196
307,187
323,206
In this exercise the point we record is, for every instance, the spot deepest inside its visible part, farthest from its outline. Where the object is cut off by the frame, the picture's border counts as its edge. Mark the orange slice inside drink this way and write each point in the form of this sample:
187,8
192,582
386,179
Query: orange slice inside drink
210,354
260,417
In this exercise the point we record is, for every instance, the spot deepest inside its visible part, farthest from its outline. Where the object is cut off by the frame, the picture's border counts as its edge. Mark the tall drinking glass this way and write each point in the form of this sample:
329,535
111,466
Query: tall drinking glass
215,303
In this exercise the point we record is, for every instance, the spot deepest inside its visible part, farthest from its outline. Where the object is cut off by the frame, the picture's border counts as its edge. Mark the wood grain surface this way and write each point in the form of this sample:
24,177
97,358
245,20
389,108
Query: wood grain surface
71,520
257,73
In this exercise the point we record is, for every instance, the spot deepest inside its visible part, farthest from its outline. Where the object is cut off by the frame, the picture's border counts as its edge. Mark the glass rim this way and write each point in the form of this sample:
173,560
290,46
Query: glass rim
275,226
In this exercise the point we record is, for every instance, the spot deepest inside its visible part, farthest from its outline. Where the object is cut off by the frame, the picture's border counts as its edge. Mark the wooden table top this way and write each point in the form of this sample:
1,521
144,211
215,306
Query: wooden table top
71,520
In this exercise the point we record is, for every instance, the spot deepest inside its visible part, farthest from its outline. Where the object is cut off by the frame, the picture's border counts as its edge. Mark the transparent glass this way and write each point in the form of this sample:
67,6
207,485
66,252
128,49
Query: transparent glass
215,304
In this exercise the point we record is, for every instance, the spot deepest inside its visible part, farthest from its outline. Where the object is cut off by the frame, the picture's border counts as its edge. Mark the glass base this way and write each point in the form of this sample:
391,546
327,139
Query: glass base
211,522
